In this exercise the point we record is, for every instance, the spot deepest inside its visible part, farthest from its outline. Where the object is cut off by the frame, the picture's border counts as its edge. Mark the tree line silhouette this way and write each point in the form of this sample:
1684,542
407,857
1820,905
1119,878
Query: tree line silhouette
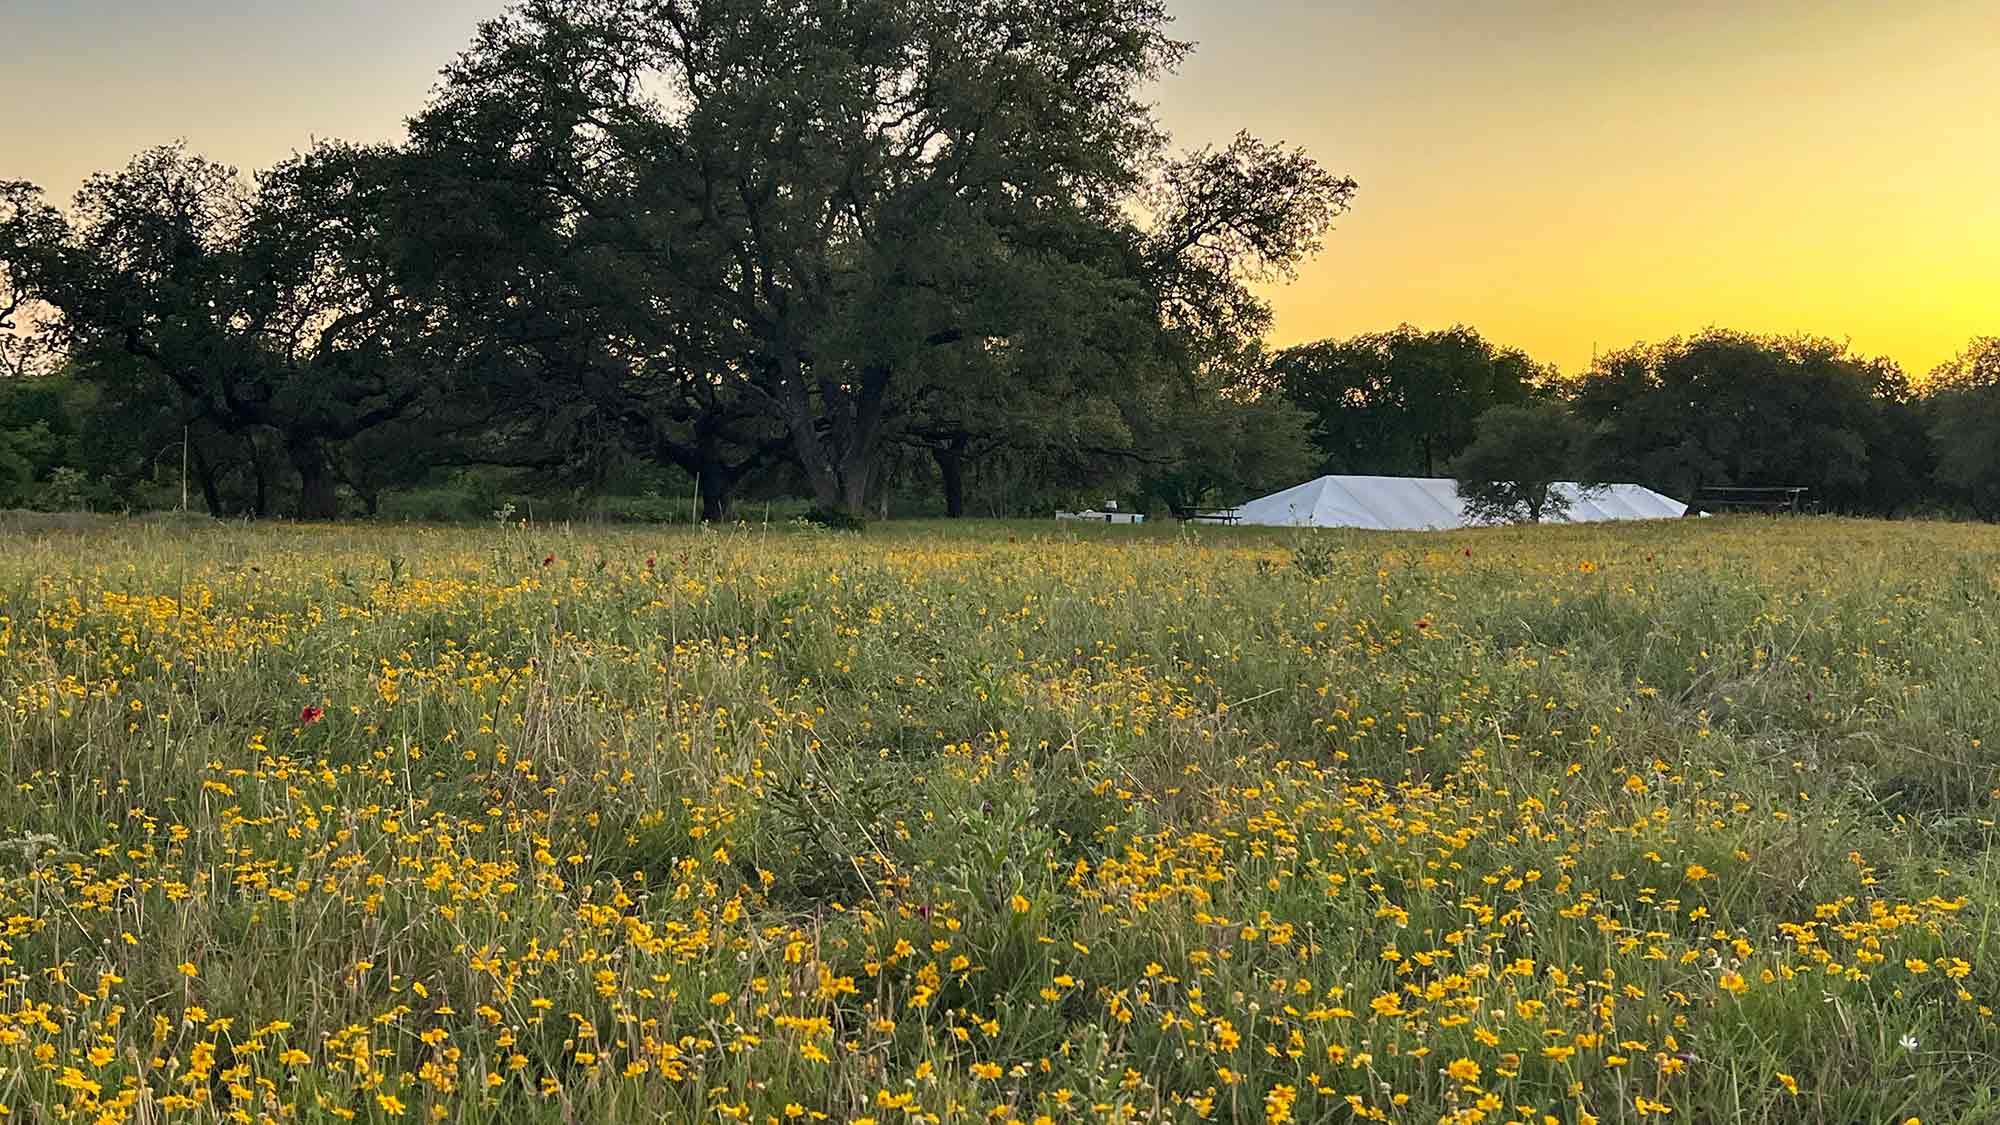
733,238
1712,410
664,256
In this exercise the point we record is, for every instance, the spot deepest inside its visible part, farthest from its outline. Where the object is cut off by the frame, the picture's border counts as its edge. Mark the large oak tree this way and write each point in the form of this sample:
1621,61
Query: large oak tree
848,214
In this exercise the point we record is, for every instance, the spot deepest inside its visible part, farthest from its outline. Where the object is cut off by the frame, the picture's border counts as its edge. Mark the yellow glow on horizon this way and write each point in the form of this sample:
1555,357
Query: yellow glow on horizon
1568,177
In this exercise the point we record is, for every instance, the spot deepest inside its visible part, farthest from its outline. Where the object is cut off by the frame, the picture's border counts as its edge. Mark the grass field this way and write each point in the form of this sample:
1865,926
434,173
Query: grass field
1686,822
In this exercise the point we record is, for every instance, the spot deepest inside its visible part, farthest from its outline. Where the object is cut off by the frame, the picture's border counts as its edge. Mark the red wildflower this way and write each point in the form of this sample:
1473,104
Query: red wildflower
550,561
312,714
1423,623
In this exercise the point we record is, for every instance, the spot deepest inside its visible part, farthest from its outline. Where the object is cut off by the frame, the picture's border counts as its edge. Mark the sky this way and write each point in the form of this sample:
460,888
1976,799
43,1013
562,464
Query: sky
1566,177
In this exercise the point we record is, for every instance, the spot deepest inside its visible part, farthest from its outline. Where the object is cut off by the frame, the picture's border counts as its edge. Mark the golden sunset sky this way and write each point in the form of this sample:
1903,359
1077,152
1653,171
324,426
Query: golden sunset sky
1563,176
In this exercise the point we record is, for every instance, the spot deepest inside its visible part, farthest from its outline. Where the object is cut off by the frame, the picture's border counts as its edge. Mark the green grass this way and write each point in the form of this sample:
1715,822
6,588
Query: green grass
999,822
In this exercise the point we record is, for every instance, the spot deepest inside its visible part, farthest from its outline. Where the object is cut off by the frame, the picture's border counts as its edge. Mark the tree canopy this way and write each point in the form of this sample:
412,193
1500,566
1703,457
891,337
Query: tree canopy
1402,402
1519,453
1964,426
1731,409
852,223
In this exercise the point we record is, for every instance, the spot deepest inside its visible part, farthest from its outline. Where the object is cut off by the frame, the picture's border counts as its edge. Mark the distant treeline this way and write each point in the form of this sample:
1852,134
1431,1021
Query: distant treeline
651,258
1714,410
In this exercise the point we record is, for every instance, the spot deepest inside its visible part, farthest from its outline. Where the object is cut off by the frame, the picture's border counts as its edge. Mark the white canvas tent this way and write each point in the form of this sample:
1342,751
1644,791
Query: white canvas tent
1430,504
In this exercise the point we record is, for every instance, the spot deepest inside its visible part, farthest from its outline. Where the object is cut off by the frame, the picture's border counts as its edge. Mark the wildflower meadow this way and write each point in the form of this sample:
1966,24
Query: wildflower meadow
999,823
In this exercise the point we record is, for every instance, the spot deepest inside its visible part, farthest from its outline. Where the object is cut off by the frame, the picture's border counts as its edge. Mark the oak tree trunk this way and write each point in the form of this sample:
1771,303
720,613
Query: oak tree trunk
951,467
211,490
260,478
715,482
319,497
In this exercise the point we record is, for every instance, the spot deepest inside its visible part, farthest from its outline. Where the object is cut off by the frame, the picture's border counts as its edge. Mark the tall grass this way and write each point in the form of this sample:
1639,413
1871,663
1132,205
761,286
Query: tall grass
999,823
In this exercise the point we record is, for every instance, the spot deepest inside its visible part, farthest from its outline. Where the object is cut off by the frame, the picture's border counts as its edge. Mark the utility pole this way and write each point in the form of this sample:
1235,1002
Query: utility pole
184,470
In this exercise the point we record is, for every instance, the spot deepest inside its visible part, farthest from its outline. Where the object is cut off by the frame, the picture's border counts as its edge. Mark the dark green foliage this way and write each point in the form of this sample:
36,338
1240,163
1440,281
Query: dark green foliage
1519,452
34,428
1228,448
810,207
1964,418
1727,408
750,241
269,318
1403,402
959,314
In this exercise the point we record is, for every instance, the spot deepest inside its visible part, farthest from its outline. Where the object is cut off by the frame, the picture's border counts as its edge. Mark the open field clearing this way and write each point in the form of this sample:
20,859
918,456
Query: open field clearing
1685,822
